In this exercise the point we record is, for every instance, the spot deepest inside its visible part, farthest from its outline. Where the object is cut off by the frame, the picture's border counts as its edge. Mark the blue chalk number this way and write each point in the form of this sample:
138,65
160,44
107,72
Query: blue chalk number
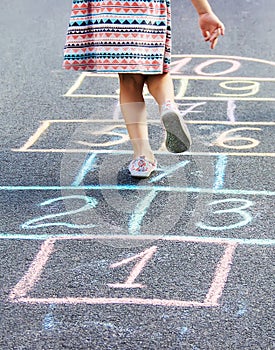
236,210
90,203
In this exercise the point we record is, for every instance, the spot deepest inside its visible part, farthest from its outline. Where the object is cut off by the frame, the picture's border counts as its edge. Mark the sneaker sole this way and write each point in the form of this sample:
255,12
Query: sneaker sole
178,138
142,175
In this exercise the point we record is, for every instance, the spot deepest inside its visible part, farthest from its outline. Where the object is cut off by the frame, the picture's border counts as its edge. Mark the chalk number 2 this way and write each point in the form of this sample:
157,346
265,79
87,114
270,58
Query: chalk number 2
240,210
90,203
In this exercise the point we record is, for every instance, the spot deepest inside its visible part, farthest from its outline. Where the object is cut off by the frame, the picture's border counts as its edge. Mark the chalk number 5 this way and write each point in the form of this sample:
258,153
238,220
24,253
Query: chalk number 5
240,210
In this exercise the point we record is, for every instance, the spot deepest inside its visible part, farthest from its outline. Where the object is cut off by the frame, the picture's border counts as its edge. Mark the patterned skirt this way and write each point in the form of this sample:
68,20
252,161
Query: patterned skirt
124,36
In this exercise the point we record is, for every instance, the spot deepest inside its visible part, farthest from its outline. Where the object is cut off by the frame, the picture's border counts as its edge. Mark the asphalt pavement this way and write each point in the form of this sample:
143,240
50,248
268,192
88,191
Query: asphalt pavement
94,259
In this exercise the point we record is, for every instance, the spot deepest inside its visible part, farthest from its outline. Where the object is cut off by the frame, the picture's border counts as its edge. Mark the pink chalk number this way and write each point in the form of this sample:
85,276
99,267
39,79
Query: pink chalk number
142,259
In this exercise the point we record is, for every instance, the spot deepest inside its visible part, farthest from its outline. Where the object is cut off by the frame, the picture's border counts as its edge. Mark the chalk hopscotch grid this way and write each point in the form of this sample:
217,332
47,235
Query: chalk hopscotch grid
76,185
25,285
19,294
46,124
180,95
180,61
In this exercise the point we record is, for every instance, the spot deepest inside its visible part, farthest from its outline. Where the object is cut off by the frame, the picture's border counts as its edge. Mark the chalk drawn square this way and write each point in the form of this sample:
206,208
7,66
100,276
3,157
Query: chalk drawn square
187,88
86,136
157,277
211,137
93,85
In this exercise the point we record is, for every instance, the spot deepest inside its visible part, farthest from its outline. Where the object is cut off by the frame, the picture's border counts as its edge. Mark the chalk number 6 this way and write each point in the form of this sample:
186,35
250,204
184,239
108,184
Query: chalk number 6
240,210
227,137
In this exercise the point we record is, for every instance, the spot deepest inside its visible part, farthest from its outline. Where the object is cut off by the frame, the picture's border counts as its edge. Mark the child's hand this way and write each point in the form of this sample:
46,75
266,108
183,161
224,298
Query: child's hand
211,28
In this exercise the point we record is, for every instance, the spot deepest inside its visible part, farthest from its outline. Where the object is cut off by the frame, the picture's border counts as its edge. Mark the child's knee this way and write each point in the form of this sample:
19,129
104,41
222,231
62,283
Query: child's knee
131,81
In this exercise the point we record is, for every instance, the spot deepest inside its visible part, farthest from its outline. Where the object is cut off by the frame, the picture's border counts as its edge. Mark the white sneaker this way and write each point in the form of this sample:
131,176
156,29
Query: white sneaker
142,167
178,138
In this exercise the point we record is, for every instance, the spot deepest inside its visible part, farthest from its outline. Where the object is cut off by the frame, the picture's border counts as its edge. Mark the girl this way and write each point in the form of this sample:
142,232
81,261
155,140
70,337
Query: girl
133,38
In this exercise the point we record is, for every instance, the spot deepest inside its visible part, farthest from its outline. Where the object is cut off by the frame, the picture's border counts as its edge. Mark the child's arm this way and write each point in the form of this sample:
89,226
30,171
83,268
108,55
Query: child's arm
210,24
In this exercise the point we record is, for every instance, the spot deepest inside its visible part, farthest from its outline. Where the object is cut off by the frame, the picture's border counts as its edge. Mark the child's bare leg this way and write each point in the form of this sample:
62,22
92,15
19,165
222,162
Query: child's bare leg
161,88
134,112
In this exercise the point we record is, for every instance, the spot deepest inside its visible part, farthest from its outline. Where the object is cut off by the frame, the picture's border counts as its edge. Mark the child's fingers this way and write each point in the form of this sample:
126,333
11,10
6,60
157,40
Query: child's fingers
214,43
206,35
215,34
214,37
222,28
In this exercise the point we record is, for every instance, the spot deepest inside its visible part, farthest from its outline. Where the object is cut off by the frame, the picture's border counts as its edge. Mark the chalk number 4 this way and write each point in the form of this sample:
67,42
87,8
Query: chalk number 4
240,210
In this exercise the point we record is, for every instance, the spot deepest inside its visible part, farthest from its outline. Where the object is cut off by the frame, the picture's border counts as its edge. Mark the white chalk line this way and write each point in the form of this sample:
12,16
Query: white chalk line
108,237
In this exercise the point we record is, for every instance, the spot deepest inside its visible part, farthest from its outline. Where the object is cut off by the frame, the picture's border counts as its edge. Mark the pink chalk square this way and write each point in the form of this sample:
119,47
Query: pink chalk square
165,272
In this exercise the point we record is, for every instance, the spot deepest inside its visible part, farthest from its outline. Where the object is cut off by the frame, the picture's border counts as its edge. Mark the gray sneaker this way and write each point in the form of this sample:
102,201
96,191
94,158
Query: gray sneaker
178,138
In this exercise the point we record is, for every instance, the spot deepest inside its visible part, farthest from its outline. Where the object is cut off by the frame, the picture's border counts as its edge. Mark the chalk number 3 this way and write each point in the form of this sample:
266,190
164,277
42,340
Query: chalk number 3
240,210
